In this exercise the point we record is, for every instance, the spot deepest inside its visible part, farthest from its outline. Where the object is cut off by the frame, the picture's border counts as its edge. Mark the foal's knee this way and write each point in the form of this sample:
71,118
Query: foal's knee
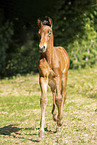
58,102
43,101
64,97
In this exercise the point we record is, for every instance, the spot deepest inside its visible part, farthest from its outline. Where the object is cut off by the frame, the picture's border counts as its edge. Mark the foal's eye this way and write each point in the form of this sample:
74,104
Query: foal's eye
49,33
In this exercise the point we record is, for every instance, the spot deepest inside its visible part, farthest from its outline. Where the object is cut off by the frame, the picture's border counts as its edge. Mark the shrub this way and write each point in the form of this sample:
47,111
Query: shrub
84,50
6,33
24,60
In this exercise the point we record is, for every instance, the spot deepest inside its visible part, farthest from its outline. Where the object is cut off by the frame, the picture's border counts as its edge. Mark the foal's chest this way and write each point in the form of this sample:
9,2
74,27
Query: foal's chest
45,70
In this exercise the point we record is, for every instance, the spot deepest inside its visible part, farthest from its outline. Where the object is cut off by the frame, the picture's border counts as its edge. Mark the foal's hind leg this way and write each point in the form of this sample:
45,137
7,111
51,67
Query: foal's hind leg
58,101
53,89
64,83
54,107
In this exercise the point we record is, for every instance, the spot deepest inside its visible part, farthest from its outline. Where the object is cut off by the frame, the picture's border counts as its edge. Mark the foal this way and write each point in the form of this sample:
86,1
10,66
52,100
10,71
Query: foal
53,71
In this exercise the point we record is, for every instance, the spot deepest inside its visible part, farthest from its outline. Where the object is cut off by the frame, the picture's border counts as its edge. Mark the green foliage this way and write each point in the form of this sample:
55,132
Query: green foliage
75,30
17,56
75,26
6,33
69,20
84,50
24,60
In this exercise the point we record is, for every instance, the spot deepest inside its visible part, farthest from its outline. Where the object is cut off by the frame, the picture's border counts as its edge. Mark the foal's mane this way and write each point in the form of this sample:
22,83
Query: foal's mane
46,21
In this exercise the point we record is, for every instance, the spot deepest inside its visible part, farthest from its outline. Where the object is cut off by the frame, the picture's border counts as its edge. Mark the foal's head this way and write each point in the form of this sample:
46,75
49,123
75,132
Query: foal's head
45,33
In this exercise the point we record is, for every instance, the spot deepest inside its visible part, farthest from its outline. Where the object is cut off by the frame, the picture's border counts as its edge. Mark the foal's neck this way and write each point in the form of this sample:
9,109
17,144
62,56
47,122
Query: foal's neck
50,51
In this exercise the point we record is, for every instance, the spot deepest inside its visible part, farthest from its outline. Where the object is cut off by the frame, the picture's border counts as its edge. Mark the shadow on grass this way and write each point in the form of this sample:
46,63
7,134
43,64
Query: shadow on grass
13,130
8,130
50,131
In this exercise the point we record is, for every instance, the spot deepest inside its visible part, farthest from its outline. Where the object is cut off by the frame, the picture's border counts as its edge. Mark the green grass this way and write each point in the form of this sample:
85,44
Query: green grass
20,111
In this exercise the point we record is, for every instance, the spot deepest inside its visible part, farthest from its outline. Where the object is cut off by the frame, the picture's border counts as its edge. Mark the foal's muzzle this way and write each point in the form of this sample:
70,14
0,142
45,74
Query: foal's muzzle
42,49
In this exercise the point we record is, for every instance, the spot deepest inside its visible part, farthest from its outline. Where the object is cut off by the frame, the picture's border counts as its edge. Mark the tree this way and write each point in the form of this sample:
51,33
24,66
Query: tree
84,50
19,42
70,20
6,33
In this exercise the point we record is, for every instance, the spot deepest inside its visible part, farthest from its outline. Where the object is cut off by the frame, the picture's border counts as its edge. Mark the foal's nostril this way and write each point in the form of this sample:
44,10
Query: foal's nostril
43,47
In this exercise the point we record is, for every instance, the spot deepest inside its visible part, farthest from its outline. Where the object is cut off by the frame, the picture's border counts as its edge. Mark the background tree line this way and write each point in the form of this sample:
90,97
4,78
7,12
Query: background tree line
74,27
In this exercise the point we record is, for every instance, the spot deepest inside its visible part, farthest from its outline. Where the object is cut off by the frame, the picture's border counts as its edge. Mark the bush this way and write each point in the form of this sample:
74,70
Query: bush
24,60
84,50
6,33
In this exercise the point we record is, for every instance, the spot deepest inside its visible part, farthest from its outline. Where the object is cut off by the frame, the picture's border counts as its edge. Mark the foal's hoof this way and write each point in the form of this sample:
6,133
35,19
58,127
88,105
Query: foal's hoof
55,117
41,133
58,129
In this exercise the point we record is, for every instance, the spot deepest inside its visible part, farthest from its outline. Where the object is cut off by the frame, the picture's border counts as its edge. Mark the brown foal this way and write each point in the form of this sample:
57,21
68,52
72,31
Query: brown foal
53,71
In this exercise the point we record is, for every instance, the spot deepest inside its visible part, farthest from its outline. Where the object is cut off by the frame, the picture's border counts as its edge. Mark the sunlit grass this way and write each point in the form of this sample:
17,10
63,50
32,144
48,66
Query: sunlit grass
20,110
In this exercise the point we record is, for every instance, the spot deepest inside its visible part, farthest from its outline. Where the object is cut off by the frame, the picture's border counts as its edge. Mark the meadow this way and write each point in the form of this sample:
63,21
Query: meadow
20,111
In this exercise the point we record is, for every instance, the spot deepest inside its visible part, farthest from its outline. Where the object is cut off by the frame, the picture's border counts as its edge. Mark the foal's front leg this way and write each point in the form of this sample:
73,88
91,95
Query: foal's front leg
43,102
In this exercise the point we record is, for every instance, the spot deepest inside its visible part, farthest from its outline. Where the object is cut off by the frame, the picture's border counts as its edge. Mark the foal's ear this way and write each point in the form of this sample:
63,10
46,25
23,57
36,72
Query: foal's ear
50,21
39,22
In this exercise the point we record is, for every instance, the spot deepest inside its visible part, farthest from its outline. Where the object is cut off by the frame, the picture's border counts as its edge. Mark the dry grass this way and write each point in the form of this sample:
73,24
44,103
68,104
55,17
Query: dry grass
20,111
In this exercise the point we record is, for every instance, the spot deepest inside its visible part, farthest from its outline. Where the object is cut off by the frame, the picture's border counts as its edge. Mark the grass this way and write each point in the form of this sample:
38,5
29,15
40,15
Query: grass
20,111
